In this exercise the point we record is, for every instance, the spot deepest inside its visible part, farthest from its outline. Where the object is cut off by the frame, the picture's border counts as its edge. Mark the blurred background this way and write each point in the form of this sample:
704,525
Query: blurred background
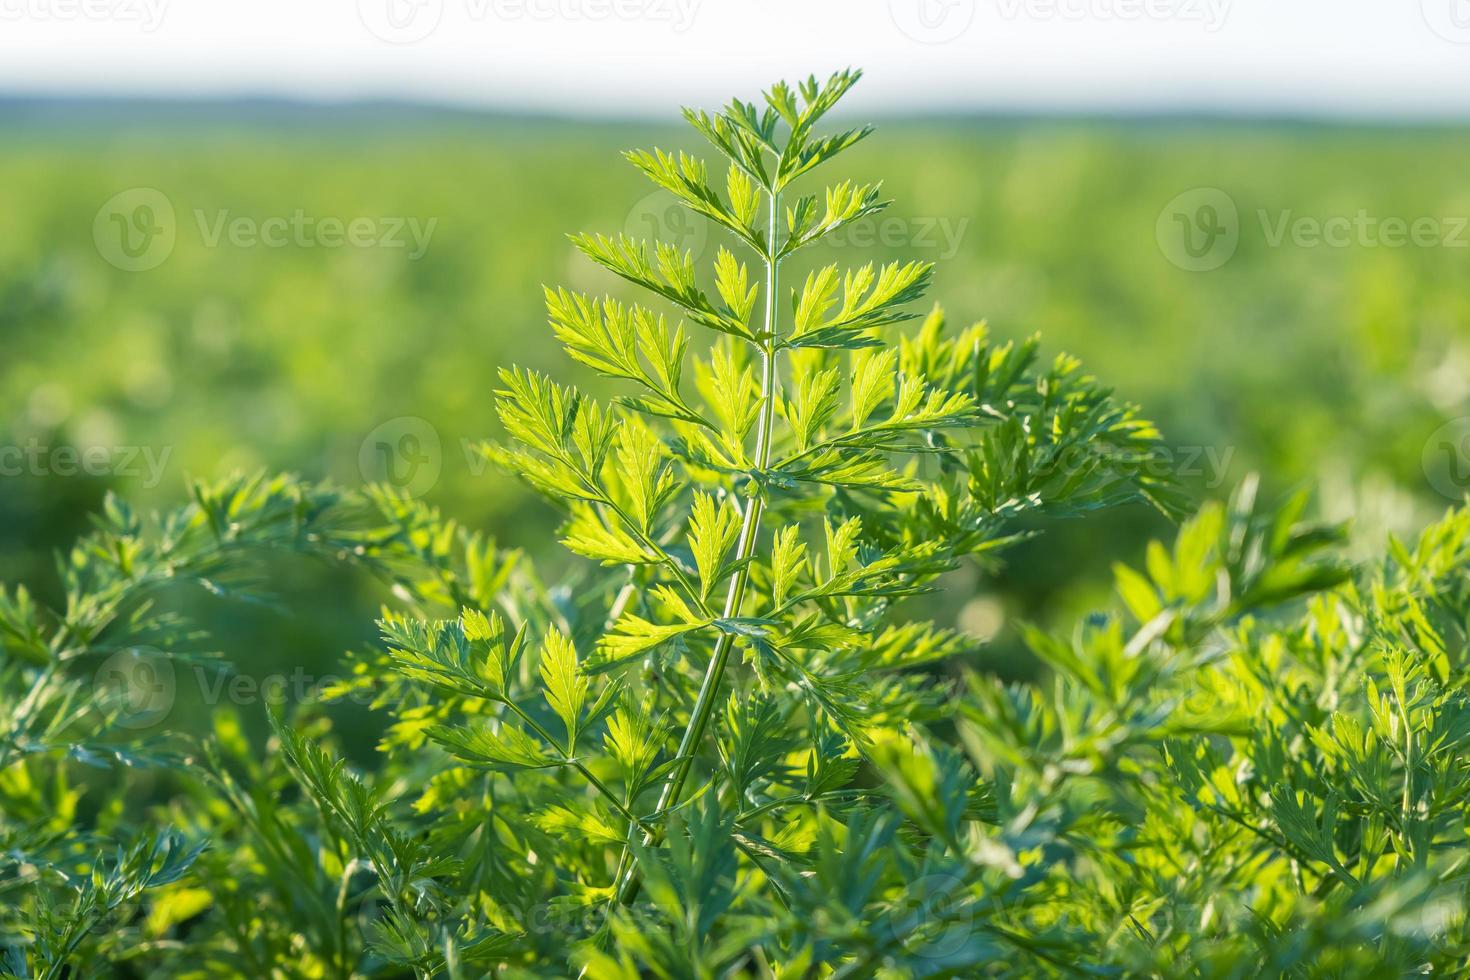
305,237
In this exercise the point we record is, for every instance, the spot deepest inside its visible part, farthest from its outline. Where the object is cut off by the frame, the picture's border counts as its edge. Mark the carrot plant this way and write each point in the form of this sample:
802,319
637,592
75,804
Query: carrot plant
725,747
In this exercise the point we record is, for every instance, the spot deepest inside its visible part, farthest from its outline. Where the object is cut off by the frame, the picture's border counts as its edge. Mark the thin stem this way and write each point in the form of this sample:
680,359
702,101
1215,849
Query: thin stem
576,763
344,968
704,702
663,556
20,718
1407,806
799,799
620,602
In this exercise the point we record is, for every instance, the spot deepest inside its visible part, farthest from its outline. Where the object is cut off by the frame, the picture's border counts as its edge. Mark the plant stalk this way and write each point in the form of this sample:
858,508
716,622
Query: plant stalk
704,702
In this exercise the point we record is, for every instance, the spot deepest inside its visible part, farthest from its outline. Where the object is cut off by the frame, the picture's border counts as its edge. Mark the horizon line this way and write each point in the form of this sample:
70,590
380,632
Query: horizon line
1202,113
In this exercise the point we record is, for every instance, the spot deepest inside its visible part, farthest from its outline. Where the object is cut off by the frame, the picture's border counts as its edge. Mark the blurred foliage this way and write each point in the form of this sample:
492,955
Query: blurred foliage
1219,776
1324,365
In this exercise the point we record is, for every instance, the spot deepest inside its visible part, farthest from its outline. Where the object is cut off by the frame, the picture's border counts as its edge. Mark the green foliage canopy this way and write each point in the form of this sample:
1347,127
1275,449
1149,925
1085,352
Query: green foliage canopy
725,749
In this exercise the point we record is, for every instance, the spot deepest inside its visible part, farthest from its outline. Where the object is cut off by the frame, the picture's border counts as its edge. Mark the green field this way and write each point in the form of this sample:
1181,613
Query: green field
789,715
266,342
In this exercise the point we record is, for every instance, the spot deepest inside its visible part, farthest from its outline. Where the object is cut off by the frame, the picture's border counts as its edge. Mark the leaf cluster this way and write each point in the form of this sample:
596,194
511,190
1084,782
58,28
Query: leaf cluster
726,746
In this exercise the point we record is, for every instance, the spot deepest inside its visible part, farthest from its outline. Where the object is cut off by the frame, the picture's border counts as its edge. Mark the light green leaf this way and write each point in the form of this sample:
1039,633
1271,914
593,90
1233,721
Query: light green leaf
565,687
713,528
504,748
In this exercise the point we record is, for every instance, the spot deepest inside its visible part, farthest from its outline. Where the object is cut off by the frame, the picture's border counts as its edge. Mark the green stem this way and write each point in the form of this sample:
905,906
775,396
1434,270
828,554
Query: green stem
344,968
704,702
576,764
663,556
798,799
1407,805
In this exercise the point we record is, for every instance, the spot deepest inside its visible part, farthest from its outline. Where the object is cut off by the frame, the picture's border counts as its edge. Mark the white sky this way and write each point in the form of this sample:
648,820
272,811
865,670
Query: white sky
1355,57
